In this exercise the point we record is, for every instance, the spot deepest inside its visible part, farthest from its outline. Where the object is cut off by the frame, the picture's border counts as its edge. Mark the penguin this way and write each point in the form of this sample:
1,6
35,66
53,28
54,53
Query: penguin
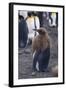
32,23
41,50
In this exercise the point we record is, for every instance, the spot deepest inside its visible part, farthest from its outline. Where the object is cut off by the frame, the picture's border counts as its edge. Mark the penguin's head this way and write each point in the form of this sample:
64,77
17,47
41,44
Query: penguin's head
41,31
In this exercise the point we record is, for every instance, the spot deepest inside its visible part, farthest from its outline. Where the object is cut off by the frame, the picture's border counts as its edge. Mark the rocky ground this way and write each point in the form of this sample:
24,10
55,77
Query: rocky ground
25,57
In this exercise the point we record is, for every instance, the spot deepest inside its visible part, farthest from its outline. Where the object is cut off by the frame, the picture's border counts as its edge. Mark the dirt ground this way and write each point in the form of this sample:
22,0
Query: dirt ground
25,60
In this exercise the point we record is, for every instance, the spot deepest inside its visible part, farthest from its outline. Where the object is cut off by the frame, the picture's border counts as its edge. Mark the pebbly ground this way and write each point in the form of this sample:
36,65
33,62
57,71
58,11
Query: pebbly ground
25,60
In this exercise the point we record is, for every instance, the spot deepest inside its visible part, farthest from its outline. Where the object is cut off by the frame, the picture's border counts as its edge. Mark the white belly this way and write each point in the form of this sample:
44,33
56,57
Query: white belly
37,64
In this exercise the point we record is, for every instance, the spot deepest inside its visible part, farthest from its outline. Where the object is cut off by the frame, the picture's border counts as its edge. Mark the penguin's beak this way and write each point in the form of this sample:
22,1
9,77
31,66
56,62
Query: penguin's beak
34,29
41,31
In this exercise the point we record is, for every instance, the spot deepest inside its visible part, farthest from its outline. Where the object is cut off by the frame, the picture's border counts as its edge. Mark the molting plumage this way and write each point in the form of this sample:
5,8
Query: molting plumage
41,45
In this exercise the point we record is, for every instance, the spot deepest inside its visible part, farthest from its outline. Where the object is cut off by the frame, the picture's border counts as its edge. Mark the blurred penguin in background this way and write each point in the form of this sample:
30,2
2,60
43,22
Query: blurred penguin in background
41,51
23,32
40,15
53,19
32,23
23,13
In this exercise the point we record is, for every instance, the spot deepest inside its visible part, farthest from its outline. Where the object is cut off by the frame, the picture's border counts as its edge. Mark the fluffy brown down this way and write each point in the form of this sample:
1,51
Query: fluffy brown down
40,41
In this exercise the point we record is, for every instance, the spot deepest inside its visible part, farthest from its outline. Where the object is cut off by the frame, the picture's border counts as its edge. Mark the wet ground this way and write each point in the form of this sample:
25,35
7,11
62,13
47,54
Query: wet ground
25,60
